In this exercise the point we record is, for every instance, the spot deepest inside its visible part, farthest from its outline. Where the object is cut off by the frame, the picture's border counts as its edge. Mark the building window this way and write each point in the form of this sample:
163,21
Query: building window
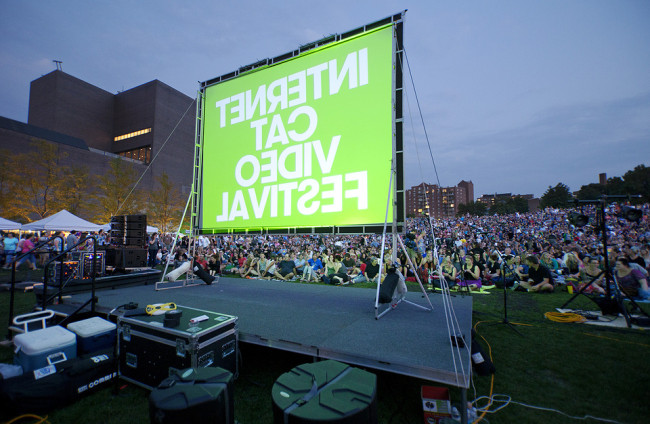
133,134
143,154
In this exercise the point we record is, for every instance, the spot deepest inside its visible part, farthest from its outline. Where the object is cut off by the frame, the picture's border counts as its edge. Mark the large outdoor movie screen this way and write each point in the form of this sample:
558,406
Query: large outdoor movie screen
306,142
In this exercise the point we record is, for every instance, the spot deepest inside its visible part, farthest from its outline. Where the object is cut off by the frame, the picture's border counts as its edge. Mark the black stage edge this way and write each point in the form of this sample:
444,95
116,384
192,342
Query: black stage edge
125,278
329,322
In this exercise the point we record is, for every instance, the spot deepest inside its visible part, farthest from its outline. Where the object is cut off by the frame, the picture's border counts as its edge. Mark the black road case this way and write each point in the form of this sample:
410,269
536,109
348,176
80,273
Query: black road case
148,350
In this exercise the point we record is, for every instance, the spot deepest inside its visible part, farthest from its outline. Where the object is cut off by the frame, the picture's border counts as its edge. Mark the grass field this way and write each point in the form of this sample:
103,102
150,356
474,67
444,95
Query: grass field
575,368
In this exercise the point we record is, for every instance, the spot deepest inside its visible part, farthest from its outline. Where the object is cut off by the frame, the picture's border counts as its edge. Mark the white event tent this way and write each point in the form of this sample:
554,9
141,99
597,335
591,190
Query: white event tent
61,221
5,224
150,229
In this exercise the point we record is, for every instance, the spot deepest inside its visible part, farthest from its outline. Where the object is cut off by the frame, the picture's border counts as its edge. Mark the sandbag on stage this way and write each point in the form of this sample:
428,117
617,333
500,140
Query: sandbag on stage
203,274
173,275
388,287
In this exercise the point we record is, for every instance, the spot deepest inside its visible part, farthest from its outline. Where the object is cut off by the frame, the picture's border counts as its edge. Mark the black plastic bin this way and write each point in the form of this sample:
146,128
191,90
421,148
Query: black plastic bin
202,395
325,392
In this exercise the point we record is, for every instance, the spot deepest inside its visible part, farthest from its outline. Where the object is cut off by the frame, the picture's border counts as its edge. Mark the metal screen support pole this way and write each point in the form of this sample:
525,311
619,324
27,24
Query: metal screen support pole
178,232
383,241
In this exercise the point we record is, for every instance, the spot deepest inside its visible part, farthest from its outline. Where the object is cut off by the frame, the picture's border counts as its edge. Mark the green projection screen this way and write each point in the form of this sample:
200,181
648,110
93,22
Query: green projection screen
306,142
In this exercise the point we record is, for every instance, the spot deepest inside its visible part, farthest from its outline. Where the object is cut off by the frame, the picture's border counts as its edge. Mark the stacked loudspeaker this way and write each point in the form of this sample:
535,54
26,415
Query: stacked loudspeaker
128,242
129,230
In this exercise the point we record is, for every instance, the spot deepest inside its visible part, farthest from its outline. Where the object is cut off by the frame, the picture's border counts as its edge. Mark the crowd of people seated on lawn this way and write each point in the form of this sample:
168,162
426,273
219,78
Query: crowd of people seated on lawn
536,252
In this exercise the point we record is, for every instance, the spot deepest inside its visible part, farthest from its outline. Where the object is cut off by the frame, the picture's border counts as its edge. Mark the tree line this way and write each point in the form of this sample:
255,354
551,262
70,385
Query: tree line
633,182
37,184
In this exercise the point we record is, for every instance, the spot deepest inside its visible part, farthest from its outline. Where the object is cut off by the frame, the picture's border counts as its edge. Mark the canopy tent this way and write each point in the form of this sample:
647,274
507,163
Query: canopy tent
5,224
61,221
150,229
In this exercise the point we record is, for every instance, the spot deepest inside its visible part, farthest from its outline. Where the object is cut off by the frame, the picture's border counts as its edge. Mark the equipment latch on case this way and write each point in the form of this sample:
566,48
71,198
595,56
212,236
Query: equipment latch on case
180,348
126,332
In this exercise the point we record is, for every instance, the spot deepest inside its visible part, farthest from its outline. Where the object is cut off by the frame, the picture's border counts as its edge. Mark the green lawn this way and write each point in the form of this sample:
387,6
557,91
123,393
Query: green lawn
578,369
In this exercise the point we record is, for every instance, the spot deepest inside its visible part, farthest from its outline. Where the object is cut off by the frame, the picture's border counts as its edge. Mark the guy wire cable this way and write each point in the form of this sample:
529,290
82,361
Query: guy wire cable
450,315
451,319
155,156
426,135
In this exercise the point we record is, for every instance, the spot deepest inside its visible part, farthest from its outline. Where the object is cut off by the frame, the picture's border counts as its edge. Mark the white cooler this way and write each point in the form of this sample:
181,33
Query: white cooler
94,334
40,348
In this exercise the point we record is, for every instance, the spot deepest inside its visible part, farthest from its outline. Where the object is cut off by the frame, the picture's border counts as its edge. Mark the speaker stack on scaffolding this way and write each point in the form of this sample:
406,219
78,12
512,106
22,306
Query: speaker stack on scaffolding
128,243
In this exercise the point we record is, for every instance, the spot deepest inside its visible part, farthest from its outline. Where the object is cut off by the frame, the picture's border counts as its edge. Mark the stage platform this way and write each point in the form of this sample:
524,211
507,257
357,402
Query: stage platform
330,322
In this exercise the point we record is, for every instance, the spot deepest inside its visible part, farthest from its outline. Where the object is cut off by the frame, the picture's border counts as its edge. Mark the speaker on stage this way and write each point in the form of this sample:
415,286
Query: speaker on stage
135,258
134,233
117,237
142,219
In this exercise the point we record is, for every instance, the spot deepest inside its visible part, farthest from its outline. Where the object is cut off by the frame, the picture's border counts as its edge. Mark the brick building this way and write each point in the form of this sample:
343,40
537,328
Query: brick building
439,202
91,126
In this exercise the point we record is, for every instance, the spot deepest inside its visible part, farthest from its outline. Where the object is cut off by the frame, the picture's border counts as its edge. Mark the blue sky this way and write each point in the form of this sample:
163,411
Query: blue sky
516,95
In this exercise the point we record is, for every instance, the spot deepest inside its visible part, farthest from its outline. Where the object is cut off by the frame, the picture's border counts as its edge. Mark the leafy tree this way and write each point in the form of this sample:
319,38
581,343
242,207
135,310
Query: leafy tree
591,191
472,208
44,187
520,204
35,192
637,181
615,186
556,197
116,193
510,206
166,205
76,197
6,195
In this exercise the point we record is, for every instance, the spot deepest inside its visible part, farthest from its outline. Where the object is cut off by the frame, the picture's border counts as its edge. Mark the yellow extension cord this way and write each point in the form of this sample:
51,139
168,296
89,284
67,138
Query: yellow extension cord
564,317
40,420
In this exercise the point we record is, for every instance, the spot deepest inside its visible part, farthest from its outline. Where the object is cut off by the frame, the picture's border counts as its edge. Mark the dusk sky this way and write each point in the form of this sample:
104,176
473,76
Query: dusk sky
516,95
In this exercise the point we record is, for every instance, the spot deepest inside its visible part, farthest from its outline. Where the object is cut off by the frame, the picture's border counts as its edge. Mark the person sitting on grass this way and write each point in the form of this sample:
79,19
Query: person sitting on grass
539,277
471,274
449,271
214,264
251,266
332,268
631,281
286,269
249,262
260,267
370,272
493,270
588,273
308,270
268,272
300,262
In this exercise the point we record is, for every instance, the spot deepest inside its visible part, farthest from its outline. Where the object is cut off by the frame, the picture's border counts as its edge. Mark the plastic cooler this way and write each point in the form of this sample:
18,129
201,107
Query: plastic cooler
94,334
40,348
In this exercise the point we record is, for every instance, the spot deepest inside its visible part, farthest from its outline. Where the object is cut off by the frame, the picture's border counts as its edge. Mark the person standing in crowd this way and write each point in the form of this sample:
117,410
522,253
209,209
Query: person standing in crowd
153,249
10,245
71,240
27,245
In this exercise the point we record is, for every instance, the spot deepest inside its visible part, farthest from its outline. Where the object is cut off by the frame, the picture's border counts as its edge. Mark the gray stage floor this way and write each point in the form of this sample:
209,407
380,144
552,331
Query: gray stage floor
332,322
